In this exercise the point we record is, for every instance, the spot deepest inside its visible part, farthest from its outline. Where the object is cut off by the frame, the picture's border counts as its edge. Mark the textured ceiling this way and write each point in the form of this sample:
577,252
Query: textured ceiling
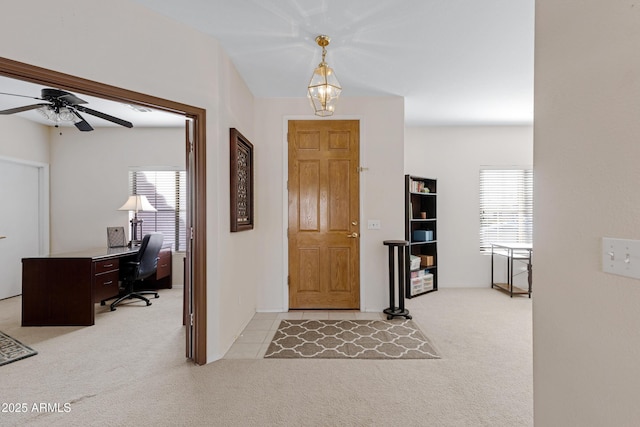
454,61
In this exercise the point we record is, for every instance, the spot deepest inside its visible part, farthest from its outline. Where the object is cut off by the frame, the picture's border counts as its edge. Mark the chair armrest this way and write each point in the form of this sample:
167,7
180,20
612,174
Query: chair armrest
130,267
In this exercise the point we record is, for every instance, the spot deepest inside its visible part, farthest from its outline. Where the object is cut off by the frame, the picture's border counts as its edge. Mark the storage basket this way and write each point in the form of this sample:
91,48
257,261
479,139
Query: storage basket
415,262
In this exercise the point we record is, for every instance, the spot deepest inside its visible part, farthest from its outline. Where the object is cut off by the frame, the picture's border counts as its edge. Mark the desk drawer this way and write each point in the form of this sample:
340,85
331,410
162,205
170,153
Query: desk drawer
164,264
105,285
107,265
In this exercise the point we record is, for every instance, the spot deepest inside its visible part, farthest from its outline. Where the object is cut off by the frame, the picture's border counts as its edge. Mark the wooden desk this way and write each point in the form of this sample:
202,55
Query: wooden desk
61,290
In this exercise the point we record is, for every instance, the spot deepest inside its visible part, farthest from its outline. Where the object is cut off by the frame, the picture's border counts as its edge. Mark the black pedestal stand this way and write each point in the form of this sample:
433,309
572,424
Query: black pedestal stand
394,311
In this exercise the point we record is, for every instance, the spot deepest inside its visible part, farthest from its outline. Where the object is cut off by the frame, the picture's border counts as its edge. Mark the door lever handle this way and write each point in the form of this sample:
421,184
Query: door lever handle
352,235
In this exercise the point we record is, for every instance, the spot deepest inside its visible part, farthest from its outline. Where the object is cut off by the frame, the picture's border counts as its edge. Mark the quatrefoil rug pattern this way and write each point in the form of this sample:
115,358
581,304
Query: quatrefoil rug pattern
350,339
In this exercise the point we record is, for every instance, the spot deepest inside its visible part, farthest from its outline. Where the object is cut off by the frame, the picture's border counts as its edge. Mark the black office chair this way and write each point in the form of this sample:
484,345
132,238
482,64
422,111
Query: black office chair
136,271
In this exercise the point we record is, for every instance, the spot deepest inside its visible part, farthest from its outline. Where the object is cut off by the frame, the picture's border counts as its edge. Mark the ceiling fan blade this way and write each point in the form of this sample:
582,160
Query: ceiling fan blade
82,125
21,96
21,109
104,116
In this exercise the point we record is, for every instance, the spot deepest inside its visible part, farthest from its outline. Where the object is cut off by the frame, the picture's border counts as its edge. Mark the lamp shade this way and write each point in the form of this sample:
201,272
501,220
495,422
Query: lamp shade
137,203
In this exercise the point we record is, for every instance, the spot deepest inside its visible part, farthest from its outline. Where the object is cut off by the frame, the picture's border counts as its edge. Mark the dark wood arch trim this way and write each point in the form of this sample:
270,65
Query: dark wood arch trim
34,74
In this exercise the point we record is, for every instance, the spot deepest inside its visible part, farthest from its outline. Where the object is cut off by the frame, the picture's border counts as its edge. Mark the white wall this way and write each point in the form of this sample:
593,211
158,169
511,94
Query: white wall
381,193
454,155
81,209
587,173
239,277
128,46
90,178
106,155
23,139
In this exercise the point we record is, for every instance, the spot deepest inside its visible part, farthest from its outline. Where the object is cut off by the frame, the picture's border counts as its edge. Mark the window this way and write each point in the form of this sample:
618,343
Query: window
166,190
506,206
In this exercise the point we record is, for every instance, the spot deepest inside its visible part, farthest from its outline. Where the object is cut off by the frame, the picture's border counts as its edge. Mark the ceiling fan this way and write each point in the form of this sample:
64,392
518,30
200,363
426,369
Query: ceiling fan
63,106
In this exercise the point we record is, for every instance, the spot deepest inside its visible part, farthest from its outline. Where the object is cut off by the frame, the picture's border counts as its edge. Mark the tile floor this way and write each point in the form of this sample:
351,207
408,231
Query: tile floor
256,337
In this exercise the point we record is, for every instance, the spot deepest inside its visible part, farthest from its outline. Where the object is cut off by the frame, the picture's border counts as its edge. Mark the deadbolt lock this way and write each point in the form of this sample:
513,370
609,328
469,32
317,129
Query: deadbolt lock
354,222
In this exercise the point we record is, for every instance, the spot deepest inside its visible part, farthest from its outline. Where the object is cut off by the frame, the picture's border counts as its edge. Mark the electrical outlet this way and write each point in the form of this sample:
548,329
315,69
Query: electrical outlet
373,224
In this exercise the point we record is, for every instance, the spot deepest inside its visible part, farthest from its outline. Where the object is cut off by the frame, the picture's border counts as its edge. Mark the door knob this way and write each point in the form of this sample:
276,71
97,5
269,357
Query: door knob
352,235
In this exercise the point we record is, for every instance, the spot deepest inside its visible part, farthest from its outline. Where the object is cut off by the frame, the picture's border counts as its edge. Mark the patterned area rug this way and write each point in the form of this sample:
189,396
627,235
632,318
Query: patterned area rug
350,339
12,350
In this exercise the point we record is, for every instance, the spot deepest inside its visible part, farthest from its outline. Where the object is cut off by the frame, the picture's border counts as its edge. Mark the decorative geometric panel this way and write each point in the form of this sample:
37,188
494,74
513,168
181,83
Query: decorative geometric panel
309,273
243,202
309,202
241,181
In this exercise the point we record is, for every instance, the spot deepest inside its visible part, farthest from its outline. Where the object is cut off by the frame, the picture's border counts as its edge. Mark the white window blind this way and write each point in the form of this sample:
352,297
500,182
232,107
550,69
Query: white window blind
166,190
506,206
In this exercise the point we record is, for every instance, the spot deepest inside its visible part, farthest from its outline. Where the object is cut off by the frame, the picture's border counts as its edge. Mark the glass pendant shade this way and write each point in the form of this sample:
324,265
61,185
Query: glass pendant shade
324,90
58,115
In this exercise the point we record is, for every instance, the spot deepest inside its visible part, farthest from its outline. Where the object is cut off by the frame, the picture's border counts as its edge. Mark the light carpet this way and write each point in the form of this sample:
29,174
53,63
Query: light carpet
129,370
350,339
12,350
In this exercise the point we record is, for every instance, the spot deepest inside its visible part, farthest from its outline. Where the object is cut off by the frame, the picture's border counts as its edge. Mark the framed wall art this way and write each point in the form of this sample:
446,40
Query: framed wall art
241,155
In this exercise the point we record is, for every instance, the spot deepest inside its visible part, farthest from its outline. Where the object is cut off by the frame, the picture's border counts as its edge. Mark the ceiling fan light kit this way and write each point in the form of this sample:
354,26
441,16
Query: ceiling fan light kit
324,88
64,106
62,114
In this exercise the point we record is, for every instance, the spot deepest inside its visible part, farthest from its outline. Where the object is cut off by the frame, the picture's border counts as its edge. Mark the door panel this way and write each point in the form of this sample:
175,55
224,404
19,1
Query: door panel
188,261
339,260
309,270
20,224
339,213
309,179
324,247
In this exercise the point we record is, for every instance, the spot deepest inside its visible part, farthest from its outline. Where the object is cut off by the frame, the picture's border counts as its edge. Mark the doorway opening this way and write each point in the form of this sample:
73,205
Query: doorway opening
195,279
28,215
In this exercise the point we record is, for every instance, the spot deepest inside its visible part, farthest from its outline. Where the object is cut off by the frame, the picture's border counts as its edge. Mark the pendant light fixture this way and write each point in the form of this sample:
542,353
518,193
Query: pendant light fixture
324,88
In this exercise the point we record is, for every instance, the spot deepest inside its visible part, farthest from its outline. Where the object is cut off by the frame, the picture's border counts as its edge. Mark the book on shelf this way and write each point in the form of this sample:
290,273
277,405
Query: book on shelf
417,186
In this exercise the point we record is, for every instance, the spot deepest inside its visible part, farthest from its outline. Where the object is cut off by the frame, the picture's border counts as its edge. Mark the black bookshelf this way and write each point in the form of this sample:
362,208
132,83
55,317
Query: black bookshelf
421,231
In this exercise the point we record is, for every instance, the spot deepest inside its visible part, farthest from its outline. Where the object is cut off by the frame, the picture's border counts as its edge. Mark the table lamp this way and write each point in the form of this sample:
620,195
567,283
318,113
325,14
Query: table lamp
135,204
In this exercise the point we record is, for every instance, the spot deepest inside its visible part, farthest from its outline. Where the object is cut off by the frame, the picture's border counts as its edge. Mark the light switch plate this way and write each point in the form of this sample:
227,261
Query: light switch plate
621,257
373,224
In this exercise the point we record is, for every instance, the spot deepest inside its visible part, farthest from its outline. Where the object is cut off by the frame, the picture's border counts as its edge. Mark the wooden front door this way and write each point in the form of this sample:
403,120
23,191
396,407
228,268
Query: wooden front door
324,229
